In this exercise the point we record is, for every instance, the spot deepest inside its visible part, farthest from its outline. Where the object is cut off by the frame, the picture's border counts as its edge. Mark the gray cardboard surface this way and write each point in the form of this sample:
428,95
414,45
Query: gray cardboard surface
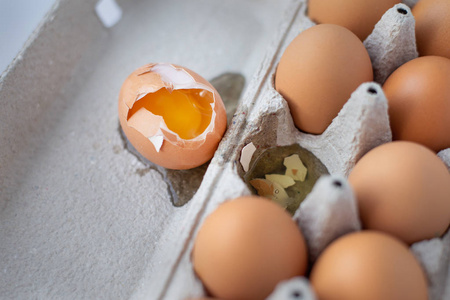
83,218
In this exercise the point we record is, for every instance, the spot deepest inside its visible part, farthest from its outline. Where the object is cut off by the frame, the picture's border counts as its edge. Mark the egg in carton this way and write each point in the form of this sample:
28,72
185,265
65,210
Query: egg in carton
262,121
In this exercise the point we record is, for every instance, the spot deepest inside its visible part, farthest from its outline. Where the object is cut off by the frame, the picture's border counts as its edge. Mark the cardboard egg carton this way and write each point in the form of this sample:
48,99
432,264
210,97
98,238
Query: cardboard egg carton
329,211
82,217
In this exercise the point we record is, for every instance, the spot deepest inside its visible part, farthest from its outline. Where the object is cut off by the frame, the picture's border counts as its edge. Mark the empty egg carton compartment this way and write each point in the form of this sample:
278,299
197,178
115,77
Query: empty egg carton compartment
263,120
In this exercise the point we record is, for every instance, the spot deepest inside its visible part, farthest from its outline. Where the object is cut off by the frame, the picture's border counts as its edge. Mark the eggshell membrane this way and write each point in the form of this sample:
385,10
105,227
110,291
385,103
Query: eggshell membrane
318,72
433,27
418,96
246,247
368,265
358,16
175,153
403,188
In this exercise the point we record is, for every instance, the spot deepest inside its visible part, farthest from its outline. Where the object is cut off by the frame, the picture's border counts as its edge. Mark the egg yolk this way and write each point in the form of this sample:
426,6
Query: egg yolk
186,112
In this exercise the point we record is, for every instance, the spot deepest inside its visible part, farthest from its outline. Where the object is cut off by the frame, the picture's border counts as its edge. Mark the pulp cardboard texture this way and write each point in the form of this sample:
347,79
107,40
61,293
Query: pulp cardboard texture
83,218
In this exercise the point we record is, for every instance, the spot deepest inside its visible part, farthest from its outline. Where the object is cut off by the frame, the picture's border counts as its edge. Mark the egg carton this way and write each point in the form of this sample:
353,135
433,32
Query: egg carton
329,211
80,216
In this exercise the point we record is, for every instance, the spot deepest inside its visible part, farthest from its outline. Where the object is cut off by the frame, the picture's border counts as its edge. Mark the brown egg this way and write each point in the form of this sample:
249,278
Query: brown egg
403,188
171,115
433,27
358,16
368,265
318,72
246,247
418,95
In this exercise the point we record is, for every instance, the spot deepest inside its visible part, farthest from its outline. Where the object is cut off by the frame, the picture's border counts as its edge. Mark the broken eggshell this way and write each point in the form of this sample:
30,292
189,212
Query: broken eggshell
149,132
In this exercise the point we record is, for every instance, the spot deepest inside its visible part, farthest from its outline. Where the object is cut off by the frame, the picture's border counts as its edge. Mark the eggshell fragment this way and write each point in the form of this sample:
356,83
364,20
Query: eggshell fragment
246,247
295,167
283,180
264,187
171,115
270,189
246,155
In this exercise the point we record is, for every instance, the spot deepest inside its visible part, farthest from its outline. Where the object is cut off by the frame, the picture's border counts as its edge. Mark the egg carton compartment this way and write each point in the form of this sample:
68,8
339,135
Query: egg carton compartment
263,121
80,216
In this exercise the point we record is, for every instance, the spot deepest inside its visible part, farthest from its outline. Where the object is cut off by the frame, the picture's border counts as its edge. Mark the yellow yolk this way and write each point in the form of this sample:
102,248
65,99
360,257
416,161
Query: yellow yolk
186,112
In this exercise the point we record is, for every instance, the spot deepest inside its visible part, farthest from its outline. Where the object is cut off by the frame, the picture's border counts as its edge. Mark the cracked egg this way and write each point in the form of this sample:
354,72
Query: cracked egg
171,115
